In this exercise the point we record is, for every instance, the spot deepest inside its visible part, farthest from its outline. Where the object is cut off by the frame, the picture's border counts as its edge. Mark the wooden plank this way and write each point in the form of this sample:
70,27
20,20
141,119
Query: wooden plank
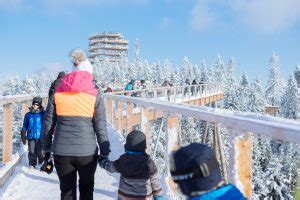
7,133
244,159
120,117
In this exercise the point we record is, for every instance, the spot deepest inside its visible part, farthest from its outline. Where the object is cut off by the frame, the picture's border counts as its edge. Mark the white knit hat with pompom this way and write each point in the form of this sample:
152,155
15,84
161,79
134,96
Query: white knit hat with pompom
80,61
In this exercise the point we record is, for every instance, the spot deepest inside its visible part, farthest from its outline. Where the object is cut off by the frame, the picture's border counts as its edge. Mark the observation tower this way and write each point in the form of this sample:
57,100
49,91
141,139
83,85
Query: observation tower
108,46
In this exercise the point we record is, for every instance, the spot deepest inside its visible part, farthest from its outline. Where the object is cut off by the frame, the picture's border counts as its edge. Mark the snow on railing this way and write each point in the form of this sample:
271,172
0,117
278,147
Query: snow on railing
275,128
179,94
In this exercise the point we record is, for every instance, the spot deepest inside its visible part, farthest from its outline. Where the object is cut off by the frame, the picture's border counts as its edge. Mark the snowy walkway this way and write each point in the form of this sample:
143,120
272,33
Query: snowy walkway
31,184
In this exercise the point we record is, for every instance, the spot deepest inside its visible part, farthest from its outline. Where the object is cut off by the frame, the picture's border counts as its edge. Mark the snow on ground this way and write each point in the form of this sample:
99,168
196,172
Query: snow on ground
31,184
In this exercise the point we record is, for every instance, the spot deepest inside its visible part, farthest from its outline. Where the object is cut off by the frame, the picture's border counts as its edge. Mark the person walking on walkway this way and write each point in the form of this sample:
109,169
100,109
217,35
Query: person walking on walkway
56,83
139,176
31,132
78,111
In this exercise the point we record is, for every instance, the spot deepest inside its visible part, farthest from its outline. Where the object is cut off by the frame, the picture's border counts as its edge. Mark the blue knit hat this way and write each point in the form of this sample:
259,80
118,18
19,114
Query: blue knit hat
195,169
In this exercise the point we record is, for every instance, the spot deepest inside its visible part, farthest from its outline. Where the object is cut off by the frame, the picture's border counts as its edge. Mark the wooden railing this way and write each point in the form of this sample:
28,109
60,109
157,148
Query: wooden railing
187,93
7,103
126,113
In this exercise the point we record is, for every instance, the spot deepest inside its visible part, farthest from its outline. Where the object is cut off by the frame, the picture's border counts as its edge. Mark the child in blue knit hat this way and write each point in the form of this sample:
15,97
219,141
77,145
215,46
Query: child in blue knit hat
195,169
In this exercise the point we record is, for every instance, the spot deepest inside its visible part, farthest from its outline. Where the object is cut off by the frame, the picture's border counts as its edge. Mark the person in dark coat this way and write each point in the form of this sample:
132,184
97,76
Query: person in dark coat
139,176
201,86
187,88
77,109
166,83
194,90
197,172
56,83
32,130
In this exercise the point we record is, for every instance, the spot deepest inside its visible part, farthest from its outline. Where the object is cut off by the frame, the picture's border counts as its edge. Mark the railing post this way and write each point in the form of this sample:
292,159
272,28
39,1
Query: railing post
143,94
240,161
129,108
166,94
155,93
114,110
120,116
7,132
109,109
145,128
173,133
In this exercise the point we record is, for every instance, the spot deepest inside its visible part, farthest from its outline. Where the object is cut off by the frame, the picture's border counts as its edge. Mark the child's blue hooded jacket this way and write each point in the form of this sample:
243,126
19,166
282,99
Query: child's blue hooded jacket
225,192
32,124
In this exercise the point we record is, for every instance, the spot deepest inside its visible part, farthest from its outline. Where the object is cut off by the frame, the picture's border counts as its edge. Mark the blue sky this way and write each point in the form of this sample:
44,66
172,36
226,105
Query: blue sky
38,34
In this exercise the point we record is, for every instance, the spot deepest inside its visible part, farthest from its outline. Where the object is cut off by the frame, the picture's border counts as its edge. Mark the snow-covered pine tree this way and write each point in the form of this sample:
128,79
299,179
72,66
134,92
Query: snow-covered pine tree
290,100
97,70
244,93
167,70
11,85
188,69
29,86
204,73
231,100
189,132
219,73
256,97
261,154
297,75
1,88
43,82
175,76
274,87
147,71
197,73
157,74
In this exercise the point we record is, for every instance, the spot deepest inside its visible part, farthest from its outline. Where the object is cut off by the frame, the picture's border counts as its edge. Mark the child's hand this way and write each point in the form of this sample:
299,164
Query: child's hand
23,137
103,161
160,197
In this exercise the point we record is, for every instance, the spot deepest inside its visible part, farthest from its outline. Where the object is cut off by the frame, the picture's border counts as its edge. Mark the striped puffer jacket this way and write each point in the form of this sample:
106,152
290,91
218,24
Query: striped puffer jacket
77,110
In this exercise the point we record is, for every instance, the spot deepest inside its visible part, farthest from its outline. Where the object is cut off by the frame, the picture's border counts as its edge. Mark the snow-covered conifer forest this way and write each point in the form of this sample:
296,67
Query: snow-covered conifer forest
275,163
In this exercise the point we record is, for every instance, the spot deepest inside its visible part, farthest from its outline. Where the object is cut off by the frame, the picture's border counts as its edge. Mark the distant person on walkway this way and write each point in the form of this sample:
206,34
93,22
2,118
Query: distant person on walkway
201,85
194,90
166,83
32,130
139,176
56,83
197,172
131,86
143,84
78,111
108,90
187,88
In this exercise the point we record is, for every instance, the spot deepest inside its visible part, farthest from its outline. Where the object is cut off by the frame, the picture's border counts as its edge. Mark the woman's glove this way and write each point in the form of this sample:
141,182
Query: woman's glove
48,163
103,161
23,137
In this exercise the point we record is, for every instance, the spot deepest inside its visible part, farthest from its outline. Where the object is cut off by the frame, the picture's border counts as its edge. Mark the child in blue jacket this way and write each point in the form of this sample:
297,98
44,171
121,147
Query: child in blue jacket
32,130
197,172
